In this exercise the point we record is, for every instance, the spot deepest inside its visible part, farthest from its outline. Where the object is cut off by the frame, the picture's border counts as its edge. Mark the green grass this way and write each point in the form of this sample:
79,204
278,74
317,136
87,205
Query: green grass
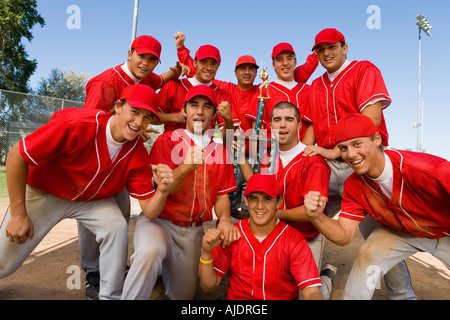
3,188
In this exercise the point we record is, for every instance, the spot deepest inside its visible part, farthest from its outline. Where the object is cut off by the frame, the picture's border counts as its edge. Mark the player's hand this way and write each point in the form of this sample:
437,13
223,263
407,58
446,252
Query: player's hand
330,154
179,117
20,228
180,37
163,176
180,69
212,238
145,135
229,230
224,110
195,157
314,204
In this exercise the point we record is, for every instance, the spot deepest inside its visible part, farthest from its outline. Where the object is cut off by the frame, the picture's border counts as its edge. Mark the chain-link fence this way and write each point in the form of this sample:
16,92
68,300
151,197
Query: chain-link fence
21,114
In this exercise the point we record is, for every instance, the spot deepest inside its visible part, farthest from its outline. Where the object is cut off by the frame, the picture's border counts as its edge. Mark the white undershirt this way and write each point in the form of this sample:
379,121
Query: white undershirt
261,239
287,84
287,156
195,82
114,147
386,179
335,74
128,72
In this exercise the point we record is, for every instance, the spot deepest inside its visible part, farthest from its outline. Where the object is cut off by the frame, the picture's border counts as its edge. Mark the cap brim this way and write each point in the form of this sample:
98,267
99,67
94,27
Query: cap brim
240,64
270,193
147,51
208,56
325,41
140,105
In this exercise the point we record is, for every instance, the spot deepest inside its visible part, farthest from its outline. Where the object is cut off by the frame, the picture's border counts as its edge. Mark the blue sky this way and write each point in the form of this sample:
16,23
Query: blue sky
254,27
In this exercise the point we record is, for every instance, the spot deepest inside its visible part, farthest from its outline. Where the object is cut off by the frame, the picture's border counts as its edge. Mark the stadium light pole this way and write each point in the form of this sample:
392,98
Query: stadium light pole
424,26
135,19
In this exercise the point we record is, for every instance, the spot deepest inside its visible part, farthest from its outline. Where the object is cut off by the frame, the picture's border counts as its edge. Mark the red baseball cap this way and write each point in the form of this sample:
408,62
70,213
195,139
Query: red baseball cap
329,35
208,51
201,90
279,48
266,183
246,59
352,126
147,44
142,97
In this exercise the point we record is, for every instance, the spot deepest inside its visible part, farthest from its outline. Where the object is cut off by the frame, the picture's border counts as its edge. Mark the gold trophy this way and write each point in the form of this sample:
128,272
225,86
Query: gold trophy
258,143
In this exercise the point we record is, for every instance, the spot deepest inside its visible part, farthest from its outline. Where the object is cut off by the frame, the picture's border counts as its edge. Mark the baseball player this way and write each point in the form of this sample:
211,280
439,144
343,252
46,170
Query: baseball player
296,176
407,192
347,87
102,92
207,62
271,261
203,177
70,168
243,94
143,57
286,88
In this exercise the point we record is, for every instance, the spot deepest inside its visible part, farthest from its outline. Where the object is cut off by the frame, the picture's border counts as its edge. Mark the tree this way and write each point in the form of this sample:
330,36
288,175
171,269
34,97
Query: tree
66,84
17,18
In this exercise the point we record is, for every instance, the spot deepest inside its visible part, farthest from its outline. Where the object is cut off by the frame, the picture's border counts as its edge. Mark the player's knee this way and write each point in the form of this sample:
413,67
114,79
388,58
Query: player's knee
149,257
115,229
6,269
368,253
153,252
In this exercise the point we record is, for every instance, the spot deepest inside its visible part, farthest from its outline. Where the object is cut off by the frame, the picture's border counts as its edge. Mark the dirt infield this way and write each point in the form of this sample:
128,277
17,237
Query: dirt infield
52,268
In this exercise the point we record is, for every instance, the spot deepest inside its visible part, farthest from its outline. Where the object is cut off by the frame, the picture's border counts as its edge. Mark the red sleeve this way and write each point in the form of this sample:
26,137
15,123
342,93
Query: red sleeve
139,183
228,180
303,108
185,58
227,87
222,260
100,95
304,72
154,81
370,86
47,142
306,116
316,176
350,208
303,266
166,96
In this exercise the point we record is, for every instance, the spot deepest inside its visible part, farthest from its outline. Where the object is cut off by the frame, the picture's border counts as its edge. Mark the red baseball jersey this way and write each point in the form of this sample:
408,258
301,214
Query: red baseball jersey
68,157
296,179
105,89
245,101
302,73
420,199
197,195
274,269
351,91
172,97
299,96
